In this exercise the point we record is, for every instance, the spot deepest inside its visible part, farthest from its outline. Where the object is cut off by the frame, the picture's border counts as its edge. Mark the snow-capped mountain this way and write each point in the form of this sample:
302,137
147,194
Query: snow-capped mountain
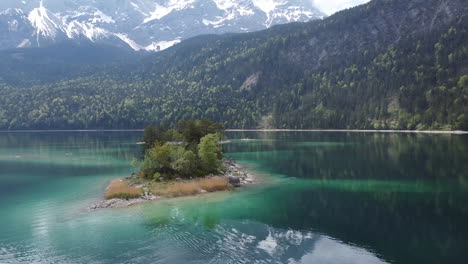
140,24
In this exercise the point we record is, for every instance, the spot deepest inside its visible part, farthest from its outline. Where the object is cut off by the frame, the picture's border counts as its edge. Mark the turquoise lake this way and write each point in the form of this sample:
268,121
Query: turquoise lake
323,197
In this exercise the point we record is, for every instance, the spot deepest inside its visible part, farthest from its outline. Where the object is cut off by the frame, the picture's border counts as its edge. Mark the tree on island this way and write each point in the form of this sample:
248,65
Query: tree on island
209,152
191,149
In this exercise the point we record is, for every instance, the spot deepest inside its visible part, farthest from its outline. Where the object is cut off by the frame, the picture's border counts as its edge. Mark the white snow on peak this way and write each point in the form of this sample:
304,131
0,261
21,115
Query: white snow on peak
232,10
267,5
46,24
158,13
161,11
231,7
224,4
90,31
279,9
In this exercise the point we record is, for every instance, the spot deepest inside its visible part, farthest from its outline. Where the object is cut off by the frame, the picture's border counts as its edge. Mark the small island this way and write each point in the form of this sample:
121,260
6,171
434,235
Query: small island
181,161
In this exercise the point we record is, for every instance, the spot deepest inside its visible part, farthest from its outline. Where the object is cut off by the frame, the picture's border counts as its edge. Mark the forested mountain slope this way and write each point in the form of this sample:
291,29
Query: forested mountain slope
399,64
67,60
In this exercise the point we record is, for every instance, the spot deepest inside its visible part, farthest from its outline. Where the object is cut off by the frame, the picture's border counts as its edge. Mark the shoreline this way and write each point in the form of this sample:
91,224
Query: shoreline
454,132
236,176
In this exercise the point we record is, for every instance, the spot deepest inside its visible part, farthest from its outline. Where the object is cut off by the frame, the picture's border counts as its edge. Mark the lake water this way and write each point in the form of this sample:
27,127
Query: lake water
325,197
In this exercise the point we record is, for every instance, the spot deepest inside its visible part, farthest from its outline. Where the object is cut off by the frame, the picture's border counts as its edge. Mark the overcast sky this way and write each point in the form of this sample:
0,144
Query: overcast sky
331,6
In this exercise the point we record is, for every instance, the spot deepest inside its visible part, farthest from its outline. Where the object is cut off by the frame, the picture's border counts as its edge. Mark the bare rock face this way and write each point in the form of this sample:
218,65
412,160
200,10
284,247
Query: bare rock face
251,82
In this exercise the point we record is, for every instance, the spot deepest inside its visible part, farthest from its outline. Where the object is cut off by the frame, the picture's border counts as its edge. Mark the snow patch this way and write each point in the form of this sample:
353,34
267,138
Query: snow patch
330,7
275,9
75,29
99,16
162,11
10,11
161,45
138,9
24,43
224,4
129,42
215,24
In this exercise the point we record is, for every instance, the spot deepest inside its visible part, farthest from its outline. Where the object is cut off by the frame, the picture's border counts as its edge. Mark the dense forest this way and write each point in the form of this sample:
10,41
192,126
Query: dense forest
390,64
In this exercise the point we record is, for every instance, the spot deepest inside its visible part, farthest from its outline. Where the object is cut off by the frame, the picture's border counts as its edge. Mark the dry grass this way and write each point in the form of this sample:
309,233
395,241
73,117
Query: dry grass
182,189
193,187
121,189
213,184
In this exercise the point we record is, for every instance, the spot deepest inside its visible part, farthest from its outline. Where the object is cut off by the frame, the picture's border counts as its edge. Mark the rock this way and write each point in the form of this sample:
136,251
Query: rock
203,191
113,203
234,181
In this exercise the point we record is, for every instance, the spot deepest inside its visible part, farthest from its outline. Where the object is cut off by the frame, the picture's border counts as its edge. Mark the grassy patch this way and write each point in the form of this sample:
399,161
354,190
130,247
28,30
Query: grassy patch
121,189
192,187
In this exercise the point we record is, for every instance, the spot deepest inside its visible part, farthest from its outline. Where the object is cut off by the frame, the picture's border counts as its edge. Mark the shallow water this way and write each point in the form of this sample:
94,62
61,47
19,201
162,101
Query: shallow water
327,197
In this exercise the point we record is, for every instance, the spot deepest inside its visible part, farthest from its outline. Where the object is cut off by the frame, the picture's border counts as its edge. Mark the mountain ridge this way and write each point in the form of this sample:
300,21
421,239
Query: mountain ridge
150,25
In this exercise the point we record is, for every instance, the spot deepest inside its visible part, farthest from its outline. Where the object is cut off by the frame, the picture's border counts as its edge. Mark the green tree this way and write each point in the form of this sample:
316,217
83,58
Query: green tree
149,138
183,161
209,152
157,159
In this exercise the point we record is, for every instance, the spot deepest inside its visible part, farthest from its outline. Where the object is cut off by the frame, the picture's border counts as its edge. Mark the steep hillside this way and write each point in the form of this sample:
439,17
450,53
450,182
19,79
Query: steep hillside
400,64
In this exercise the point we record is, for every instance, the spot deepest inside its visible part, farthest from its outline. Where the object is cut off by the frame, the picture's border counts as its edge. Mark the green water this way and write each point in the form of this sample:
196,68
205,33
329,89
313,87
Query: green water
325,198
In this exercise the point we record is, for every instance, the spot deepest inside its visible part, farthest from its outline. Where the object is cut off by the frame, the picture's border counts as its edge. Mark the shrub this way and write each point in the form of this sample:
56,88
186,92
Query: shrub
157,159
156,176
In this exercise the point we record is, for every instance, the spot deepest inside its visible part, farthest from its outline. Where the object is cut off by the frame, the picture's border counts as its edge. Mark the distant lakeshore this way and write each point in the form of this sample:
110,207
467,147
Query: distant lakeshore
456,132
353,130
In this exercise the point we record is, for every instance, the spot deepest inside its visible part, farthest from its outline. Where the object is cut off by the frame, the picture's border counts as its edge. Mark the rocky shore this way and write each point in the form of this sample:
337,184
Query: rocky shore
235,174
